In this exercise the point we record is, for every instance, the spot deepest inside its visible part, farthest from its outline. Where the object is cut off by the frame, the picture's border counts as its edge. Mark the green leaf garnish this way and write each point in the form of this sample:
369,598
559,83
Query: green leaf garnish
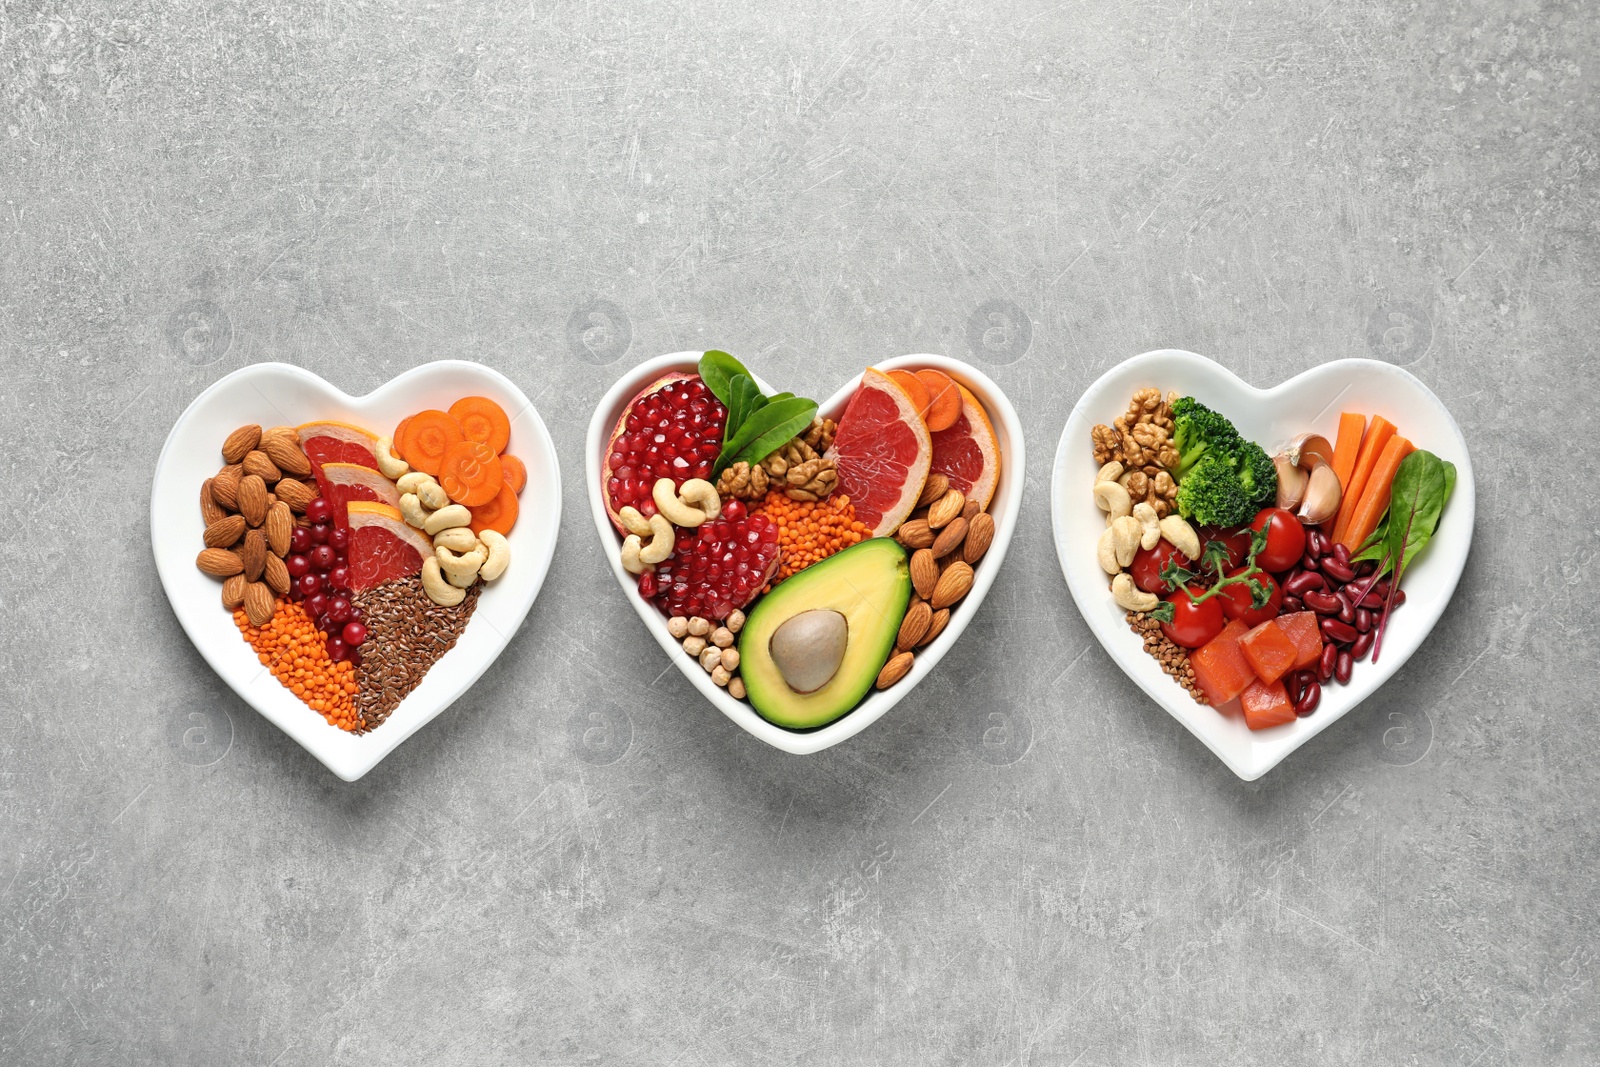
766,430
718,370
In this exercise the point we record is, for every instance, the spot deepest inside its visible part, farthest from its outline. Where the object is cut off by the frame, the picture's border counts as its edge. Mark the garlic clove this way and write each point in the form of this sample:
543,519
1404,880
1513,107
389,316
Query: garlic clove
1291,481
1304,451
1322,495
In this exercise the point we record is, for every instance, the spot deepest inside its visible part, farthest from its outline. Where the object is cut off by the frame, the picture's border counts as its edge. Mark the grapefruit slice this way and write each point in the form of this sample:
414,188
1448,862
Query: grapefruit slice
382,546
344,483
883,452
968,453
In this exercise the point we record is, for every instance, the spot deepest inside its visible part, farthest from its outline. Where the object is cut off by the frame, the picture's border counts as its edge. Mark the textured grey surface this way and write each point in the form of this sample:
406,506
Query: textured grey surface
1027,863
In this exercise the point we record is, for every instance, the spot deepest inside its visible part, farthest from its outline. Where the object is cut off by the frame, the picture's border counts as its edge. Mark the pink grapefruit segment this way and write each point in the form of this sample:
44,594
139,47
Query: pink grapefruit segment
382,545
883,451
344,483
968,453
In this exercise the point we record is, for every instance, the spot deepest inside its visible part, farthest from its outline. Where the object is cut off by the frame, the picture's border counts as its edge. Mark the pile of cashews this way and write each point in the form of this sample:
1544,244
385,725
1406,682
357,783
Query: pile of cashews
460,557
650,541
1130,527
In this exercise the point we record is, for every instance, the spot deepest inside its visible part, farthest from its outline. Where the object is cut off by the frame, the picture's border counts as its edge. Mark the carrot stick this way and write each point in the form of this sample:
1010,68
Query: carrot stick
1351,426
1371,446
1375,497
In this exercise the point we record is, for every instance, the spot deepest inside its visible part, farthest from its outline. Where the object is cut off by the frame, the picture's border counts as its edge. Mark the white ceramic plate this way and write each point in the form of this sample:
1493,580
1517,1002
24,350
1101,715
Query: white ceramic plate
275,394
1308,402
1007,500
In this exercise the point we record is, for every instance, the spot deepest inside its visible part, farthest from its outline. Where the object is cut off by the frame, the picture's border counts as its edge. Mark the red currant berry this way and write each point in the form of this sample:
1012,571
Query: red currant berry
300,540
297,565
337,649
317,604
319,533
322,558
319,510
339,538
309,585
354,633
339,609
340,577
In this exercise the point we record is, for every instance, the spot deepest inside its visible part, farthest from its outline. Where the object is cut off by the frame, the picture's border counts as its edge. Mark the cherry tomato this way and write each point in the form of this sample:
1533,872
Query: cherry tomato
1236,540
1193,624
1238,598
1147,564
1286,539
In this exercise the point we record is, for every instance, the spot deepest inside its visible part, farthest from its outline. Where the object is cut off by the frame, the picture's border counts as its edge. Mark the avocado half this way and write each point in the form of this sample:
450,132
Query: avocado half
870,585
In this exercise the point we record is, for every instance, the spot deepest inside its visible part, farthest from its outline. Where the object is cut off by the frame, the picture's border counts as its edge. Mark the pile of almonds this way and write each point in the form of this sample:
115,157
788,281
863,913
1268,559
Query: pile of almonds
712,646
947,535
249,508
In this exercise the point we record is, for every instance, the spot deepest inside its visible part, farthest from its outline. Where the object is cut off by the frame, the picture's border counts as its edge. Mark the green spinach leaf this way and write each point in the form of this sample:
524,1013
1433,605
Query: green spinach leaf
765,430
719,370
745,400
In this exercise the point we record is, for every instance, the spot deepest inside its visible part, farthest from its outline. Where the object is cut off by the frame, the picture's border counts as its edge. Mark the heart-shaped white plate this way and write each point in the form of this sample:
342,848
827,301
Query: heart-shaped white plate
275,394
1308,402
1007,500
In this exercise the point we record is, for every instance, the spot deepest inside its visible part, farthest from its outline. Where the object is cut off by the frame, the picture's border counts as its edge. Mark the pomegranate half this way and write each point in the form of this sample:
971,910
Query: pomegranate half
671,429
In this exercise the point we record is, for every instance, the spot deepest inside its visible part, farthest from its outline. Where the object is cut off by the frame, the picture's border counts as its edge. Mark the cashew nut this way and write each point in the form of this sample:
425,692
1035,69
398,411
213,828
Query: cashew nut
432,494
499,555
1109,473
456,539
388,466
630,555
1106,552
1125,533
1150,524
446,517
410,483
637,555
1182,536
634,522
412,511
439,591
455,566
662,540
1112,498
1131,597
693,502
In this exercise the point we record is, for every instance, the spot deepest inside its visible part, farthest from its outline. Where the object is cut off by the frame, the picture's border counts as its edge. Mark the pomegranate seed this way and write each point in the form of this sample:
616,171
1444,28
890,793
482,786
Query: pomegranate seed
675,432
718,567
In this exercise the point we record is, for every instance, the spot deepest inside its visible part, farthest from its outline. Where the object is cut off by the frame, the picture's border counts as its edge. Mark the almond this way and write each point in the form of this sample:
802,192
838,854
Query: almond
276,575
970,510
279,527
253,499
980,535
946,508
941,618
258,464
954,584
932,489
225,532
225,487
924,573
240,442
254,554
219,562
285,452
259,604
914,625
296,494
233,591
914,534
894,670
950,538
210,510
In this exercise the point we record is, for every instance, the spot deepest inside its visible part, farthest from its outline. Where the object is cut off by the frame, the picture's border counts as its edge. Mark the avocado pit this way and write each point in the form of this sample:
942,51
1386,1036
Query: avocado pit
808,648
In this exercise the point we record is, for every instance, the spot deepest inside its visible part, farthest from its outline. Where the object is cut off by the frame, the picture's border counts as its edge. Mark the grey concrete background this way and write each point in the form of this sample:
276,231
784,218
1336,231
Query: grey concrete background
581,863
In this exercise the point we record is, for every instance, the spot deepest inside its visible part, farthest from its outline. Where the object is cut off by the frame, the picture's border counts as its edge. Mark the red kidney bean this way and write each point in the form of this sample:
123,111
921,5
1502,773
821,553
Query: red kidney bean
1330,657
1304,582
1346,612
1343,668
1372,601
1399,597
1315,543
1363,620
1339,631
1322,603
1381,587
1365,568
1293,685
1334,568
1363,645
1342,554
1307,701
1309,562
1290,605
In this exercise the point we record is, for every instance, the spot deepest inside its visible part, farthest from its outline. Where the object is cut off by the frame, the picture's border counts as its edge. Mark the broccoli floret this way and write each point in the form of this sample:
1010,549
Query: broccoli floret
1223,479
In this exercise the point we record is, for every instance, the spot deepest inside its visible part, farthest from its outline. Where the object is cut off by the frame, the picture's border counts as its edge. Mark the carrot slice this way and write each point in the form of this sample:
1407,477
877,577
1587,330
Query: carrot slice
944,399
914,389
483,420
499,514
1378,435
1375,497
429,435
516,474
470,473
394,441
1351,427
